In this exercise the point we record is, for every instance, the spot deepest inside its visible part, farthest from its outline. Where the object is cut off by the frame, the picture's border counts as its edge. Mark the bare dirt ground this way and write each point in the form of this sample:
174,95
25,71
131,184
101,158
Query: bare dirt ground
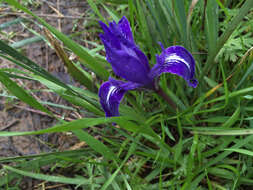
69,17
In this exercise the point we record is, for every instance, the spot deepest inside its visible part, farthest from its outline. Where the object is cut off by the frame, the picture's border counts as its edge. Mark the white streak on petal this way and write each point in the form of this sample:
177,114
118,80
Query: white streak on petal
112,89
174,57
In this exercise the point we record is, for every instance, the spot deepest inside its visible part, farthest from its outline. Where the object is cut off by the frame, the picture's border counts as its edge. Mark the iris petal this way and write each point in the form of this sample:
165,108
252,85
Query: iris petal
111,93
126,29
127,60
109,37
128,64
176,60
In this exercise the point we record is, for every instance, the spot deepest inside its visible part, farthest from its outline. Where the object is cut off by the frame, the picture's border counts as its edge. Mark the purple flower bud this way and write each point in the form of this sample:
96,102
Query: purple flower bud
130,63
127,60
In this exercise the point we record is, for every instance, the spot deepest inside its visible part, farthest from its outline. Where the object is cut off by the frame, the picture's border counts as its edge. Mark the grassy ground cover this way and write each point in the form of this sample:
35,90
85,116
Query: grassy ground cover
205,143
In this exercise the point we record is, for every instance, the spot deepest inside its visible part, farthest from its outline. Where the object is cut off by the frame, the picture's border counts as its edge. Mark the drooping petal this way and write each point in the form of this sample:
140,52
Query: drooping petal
176,60
111,93
127,60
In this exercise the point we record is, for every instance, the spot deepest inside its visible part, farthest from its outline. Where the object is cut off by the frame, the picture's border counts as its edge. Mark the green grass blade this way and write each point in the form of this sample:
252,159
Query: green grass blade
169,16
222,132
248,72
58,179
83,103
7,24
231,95
225,36
89,102
241,151
26,63
76,72
224,154
112,13
190,160
131,8
74,125
182,22
115,1
233,118
159,19
26,41
21,93
83,55
143,23
95,144
211,27
113,176
96,10
45,77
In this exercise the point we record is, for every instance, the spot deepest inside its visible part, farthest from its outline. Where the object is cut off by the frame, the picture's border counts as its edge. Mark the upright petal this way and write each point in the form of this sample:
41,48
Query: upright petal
109,37
129,64
127,60
176,60
111,93
126,29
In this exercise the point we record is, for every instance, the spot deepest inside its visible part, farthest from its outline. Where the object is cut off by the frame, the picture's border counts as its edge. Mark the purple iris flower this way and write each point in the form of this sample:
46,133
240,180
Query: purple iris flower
130,63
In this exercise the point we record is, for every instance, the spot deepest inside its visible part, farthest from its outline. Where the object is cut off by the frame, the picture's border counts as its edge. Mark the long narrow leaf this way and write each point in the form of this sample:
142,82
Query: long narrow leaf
211,26
21,93
74,71
95,144
84,56
59,179
225,36
28,64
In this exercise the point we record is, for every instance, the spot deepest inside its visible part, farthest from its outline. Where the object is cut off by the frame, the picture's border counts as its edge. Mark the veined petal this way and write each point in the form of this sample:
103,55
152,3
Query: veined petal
122,31
111,93
176,60
130,64
127,60
125,28
109,37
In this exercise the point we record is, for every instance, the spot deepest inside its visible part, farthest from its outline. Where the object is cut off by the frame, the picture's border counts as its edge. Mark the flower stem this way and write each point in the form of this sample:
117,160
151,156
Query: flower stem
161,93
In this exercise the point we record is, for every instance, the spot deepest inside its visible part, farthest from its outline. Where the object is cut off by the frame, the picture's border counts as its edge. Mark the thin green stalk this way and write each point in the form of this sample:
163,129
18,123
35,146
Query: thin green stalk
225,36
161,93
